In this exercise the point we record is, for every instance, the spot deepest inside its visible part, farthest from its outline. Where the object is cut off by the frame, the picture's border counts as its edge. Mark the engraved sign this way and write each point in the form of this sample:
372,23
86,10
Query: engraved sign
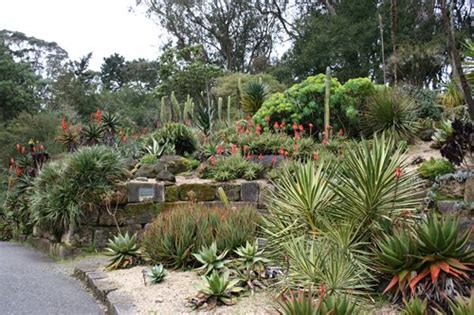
146,193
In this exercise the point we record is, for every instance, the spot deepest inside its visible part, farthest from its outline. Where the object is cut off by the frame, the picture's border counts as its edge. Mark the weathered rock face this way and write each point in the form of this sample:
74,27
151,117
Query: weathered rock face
469,193
426,135
232,191
149,170
451,186
130,163
166,176
139,191
199,191
250,191
174,164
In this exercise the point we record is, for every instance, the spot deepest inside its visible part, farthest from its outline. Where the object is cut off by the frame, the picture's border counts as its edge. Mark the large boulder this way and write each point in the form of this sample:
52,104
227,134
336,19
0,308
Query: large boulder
175,164
198,191
150,170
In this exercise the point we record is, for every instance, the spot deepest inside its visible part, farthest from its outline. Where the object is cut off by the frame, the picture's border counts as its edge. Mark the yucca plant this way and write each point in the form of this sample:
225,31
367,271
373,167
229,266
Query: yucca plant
217,289
124,251
414,306
209,259
375,186
397,255
157,274
253,95
393,113
204,119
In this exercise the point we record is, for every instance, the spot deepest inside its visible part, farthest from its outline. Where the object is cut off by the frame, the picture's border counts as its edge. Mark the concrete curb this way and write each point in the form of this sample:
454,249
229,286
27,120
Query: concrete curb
105,291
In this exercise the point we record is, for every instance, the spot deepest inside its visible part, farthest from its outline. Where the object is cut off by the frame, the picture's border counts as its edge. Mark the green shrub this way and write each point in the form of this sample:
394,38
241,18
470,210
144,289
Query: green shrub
149,159
427,101
180,136
233,167
303,103
435,167
254,94
391,112
64,191
176,234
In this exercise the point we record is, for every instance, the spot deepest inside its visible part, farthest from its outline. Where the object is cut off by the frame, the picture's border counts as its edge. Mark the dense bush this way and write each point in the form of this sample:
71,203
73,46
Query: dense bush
254,94
391,112
65,191
176,234
426,100
232,167
303,103
178,135
435,167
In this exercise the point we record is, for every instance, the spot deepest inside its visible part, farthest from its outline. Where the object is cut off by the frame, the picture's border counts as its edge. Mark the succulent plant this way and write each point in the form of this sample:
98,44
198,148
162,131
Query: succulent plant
209,259
462,306
414,306
217,288
305,304
157,274
250,257
124,251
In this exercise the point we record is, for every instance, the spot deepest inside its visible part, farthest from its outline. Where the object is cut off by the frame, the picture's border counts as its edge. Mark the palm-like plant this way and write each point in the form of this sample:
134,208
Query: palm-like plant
157,274
217,288
209,259
393,113
375,186
254,94
92,134
468,64
204,119
124,251
110,123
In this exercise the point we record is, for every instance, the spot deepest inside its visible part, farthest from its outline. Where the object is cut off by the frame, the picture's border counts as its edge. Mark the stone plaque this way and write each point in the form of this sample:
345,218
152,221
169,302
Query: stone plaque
146,193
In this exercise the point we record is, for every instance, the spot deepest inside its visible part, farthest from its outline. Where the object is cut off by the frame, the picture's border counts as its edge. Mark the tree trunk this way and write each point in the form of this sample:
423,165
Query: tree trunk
393,13
456,59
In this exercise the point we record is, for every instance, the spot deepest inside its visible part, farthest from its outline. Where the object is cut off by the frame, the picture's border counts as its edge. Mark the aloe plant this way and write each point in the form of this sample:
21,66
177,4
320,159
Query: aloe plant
218,288
209,259
157,274
415,306
124,251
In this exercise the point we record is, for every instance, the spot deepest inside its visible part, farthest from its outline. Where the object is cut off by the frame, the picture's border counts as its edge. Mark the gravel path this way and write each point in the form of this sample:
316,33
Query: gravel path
30,283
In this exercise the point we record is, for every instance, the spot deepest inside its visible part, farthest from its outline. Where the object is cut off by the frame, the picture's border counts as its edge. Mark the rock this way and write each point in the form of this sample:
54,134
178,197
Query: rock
201,191
145,191
175,164
265,190
267,160
450,206
103,234
469,192
132,213
141,179
147,171
451,185
426,135
165,175
417,160
435,145
130,163
250,191
171,193
231,190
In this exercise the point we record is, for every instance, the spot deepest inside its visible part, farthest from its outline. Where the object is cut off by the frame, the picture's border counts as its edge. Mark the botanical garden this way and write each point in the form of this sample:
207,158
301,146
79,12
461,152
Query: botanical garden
224,188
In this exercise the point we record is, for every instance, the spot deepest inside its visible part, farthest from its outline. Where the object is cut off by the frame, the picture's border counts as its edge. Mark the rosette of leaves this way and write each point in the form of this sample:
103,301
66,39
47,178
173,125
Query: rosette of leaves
157,274
124,251
92,134
209,258
254,94
250,264
217,289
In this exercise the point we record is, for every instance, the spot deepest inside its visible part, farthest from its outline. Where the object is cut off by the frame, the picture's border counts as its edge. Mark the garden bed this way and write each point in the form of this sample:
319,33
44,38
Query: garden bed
172,295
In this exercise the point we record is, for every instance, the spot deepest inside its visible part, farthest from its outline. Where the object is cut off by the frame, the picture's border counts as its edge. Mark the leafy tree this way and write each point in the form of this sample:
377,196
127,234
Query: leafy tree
233,33
19,86
112,72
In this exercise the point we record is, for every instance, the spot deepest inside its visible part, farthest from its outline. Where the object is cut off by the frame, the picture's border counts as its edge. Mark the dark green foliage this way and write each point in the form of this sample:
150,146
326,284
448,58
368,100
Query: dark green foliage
204,118
176,234
426,101
254,94
435,167
458,144
304,303
391,112
233,167
178,135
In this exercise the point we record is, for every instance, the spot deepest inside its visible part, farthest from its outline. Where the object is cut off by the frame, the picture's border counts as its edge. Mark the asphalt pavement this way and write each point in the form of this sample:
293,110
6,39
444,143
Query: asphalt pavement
31,284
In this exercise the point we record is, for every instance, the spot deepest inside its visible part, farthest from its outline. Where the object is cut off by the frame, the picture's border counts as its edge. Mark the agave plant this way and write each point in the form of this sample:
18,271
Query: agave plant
442,250
391,112
157,274
217,289
110,123
250,264
92,134
157,149
124,251
338,305
209,259
204,119
415,306
397,255
254,94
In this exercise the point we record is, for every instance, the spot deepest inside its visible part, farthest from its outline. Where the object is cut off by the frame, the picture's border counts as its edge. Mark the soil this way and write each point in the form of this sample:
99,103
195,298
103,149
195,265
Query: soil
421,149
171,296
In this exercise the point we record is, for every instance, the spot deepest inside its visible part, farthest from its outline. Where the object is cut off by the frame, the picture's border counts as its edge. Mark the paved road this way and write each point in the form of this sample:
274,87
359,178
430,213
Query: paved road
30,284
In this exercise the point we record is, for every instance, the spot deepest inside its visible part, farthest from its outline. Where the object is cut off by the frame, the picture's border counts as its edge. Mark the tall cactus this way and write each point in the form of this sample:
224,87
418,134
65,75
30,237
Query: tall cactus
177,115
163,111
228,110
188,109
219,108
327,96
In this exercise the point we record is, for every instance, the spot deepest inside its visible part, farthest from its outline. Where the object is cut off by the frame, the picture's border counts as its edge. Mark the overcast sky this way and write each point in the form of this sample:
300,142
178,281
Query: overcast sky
102,27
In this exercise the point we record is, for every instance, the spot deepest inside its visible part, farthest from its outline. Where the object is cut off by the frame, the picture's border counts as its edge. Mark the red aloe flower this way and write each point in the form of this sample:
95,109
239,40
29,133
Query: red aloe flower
297,135
295,147
18,148
283,125
267,120
294,126
276,125
260,157
398,172
233,149
213,160
315,156
64,124
325,141
245,148
41,147
274,160
248,157
23,150
301,128
98,116
287,153
258,130
341,132
219,149
281,151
